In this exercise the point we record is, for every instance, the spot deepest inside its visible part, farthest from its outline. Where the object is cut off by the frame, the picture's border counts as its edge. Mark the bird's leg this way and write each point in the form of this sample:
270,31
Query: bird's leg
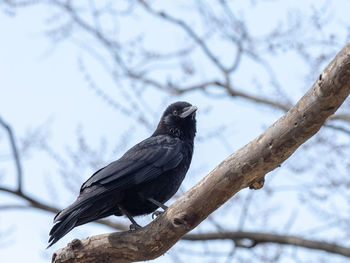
157,203
157,213
134,225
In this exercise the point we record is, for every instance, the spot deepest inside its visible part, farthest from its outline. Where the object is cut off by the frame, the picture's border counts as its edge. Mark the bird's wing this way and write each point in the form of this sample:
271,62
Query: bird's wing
143,162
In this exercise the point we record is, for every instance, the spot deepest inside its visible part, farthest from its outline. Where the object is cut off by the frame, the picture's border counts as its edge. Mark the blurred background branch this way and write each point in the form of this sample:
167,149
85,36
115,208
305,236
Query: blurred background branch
109,67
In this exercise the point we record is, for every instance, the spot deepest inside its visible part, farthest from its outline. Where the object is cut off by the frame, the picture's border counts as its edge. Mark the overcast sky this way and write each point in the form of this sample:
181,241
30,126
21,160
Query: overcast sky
40,83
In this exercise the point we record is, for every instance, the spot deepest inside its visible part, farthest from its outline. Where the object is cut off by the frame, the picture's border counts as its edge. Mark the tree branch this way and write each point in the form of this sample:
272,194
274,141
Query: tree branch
34,203
255,237
244,168
113,47
260,238
275,104
187,29
232,92
14,149
235,93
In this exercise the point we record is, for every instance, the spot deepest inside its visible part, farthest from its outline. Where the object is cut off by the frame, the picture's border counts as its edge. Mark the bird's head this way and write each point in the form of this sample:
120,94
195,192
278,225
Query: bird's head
179,120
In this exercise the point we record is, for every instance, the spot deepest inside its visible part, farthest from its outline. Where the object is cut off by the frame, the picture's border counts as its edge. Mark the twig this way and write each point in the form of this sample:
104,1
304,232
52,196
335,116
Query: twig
34,203
15,153
187,29
261,238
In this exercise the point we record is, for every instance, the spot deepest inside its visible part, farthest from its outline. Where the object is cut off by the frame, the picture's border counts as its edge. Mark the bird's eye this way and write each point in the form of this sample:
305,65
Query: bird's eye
175,112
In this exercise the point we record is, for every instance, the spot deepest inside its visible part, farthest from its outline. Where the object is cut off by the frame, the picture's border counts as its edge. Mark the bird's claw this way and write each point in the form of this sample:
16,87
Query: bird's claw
156,214
134,227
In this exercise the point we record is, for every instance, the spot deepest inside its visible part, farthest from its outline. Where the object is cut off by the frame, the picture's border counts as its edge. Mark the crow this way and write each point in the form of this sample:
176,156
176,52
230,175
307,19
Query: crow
141,181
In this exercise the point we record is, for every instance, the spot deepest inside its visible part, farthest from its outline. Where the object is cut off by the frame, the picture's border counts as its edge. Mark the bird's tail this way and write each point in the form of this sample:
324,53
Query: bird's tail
67,219
64,225
85,209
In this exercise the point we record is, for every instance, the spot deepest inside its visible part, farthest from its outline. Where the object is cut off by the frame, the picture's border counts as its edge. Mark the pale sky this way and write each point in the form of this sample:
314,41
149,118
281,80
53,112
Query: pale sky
41,82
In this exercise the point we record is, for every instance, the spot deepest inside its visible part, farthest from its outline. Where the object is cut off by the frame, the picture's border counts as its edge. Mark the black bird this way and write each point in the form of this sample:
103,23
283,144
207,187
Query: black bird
142,180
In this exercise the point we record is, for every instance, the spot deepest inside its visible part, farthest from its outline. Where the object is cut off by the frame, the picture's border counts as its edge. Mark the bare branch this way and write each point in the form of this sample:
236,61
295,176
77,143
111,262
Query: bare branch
110,101
108,43
24,3
15,153
187,29
232,92
170,87
253,98
255,237
236,93
13,207
339,128
244,168
34,203
260,238
343,117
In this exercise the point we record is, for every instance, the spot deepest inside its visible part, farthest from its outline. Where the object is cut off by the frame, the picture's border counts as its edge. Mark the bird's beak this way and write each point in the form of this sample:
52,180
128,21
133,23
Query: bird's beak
188,111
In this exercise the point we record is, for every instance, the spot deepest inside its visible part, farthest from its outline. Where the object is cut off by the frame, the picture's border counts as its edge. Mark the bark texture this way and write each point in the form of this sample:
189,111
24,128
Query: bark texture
244,168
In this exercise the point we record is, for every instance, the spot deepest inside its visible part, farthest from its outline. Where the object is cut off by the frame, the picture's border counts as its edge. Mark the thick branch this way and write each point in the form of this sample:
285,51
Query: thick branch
256,238
246,167
259,238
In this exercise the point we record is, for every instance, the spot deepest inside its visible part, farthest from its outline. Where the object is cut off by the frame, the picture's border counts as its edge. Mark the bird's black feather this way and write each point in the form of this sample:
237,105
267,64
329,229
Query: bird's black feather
144,161
154,169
